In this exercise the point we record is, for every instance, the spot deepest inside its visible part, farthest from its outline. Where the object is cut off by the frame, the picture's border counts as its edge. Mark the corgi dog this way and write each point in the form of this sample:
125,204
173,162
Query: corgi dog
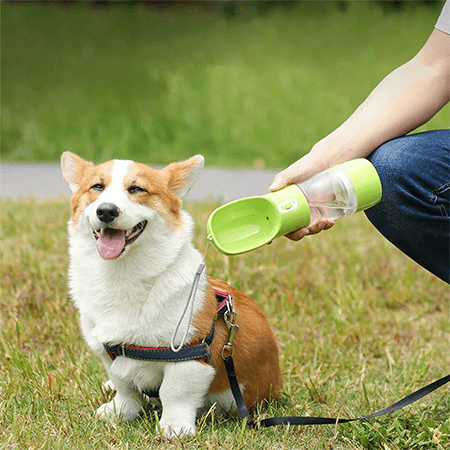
132,266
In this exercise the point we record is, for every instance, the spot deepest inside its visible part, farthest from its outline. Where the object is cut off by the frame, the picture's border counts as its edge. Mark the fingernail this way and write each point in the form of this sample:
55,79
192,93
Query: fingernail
273,186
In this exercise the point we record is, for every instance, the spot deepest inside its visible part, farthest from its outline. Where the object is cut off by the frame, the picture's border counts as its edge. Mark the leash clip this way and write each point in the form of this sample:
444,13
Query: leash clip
231,325
227,348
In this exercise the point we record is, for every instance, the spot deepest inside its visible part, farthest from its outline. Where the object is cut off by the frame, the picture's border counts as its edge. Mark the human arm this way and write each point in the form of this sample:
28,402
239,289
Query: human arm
408,97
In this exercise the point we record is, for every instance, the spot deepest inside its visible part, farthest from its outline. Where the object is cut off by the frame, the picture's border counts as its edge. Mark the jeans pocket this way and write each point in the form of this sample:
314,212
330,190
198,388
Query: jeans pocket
441,198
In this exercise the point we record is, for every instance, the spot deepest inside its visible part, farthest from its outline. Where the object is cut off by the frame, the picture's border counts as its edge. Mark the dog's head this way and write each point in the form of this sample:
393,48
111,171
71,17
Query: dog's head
119,201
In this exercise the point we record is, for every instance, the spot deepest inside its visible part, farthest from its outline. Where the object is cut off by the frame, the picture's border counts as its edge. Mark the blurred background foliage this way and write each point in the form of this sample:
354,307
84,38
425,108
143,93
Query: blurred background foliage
244,83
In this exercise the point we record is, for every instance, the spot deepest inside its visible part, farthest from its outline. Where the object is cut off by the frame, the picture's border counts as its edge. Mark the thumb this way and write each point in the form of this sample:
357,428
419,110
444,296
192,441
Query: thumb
278,183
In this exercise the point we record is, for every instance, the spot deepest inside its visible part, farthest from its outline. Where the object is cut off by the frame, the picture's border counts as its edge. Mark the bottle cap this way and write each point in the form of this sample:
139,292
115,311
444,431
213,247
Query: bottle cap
366,182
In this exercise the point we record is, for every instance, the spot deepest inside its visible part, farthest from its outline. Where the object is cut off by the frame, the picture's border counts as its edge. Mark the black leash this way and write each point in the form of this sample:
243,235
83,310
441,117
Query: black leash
299,420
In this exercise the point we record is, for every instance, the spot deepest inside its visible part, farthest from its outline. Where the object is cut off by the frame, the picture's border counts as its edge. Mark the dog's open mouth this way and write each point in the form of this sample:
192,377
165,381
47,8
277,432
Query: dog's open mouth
111,242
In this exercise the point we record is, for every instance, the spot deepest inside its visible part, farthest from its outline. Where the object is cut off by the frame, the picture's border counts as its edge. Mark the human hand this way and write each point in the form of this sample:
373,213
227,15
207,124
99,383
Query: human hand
314,228
299,171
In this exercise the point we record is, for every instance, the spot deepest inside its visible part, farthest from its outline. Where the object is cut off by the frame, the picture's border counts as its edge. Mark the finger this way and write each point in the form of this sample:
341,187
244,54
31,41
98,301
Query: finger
290,175
319,226
298,234
315,228
278,182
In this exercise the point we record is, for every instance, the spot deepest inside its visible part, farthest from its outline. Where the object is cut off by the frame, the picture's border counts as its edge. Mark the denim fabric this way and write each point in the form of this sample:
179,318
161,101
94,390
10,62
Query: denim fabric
414,213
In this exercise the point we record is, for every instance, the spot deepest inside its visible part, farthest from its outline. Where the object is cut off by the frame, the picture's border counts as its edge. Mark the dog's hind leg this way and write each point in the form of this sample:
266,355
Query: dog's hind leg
183,391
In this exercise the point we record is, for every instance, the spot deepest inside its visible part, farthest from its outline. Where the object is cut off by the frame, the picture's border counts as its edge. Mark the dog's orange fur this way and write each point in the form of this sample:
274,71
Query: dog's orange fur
159,195
85,175
255,349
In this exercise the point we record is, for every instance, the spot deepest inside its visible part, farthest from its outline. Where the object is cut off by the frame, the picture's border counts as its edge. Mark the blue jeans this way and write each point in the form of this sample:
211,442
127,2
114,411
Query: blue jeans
414,211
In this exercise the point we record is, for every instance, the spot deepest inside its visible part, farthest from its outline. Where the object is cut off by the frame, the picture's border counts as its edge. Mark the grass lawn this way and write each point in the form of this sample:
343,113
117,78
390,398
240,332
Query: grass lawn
358,325
160,85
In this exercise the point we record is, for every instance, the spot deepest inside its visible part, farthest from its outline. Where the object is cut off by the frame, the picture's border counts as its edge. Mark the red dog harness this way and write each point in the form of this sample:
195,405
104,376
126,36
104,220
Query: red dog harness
195,350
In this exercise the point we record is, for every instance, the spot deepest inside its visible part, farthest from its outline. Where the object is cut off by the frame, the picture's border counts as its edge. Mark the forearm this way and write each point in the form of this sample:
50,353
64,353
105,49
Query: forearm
408,97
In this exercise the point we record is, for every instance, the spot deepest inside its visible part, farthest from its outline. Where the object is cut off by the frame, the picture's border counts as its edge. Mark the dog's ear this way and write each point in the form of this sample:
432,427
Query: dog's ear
72,168
181,176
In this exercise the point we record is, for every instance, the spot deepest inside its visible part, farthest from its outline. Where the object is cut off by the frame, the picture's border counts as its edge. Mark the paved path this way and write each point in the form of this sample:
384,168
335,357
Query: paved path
45,181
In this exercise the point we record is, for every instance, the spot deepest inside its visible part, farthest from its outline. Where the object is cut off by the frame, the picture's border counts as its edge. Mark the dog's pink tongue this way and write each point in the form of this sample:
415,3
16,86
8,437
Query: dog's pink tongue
111,243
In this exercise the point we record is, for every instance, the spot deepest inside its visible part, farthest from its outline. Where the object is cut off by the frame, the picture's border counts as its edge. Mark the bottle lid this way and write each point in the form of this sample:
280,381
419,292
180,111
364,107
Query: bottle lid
366,182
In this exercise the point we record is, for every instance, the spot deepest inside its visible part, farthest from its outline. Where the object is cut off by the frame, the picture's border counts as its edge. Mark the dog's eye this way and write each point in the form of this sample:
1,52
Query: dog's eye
135,190
98,187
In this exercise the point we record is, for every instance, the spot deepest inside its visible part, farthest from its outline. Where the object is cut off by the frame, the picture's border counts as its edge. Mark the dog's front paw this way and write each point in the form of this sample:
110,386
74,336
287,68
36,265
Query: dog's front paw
108,386
173,430
128,410
106,412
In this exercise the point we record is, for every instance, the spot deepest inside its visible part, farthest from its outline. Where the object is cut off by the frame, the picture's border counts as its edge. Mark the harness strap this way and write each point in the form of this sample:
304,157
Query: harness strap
195,350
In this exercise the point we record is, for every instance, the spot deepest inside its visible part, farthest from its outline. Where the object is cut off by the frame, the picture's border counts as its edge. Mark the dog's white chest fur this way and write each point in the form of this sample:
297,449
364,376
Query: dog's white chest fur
136,300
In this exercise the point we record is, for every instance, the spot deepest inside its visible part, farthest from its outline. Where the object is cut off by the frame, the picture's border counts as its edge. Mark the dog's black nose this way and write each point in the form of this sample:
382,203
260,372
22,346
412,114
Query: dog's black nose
107,212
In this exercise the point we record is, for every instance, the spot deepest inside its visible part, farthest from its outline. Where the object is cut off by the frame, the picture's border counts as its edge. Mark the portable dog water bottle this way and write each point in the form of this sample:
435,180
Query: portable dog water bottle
249,223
